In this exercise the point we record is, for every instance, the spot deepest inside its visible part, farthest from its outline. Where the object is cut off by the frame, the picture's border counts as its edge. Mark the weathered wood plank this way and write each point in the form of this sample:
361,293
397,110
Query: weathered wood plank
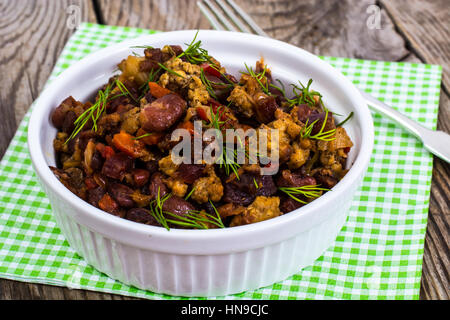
335,28
157,14
425,25
338,28
32,34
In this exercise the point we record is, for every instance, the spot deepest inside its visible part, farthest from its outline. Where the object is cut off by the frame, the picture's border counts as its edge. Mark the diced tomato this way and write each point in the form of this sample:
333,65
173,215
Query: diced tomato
108,204
202,113
105,151
157,91
125,142
90,183
152,139
211,70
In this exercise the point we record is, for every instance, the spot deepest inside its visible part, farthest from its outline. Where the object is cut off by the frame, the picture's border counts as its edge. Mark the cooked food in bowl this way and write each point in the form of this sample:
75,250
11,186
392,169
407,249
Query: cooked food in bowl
117,151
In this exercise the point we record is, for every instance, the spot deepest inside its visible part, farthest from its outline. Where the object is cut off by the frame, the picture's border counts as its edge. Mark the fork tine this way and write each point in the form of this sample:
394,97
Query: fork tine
247,18
212,20
221,17
233,17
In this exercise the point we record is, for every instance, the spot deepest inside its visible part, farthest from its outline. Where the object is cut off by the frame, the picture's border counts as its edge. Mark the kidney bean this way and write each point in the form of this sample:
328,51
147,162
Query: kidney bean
190,172
289,179
320,117
303,112
325,180
156,183
96,161
59,113
68,124
122,194
177,206
232,194
162,113
94,195
152,166
141,215
140,177
288,204
265,108
117,165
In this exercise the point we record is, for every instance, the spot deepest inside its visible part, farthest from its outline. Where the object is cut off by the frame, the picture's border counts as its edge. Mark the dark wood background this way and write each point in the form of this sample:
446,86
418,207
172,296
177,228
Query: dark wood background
33,33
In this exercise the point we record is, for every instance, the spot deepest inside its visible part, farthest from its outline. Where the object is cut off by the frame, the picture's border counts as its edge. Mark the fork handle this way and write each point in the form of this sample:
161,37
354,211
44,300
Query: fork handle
408,124
436,142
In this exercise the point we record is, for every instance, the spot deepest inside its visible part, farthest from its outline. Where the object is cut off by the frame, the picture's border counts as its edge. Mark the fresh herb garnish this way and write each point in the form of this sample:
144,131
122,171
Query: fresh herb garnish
308,191
306,131
259,77
124,90
229,164
92,113
340,124
143,136
192,219
194,53
169,70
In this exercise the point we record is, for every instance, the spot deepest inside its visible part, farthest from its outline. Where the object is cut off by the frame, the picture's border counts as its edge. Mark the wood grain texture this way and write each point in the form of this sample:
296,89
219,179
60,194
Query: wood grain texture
425,26
157,14
33,33
332,27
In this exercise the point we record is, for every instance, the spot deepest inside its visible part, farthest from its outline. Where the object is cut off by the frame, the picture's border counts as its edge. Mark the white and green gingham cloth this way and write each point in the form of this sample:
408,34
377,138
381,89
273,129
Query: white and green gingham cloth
377,254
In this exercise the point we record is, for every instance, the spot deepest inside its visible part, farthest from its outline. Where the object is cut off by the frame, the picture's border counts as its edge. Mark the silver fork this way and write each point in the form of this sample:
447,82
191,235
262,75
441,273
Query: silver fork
235,19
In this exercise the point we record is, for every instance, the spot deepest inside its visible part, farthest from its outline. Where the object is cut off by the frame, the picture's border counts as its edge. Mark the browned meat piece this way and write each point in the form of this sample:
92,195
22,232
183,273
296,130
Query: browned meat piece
117,165
289,179
162,113
177,206
141,215
189,173
265,107
122,194
157,185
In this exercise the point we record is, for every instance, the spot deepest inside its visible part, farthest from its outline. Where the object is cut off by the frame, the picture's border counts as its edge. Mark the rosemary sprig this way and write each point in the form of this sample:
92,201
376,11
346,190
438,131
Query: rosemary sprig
143,136
92,113
229,164
156,209
169,70
258,77
340,124
194,53
189,194
143,47
308,191
124,90
329,135
193,219
209,84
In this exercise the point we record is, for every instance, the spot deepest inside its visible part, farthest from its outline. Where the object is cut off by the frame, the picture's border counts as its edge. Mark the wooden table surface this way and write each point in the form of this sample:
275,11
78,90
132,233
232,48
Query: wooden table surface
33,33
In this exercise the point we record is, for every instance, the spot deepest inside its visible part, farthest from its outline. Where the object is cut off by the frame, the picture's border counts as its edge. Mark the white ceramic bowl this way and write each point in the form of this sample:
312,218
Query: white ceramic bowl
203,262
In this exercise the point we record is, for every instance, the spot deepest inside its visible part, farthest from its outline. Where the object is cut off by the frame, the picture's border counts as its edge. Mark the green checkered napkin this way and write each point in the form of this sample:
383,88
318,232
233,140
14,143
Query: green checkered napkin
377,254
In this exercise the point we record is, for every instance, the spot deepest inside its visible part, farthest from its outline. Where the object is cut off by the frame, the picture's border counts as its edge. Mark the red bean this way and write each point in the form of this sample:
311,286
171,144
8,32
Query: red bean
162,113
265,108
117,165
140,177
122,194
190,172
141,215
